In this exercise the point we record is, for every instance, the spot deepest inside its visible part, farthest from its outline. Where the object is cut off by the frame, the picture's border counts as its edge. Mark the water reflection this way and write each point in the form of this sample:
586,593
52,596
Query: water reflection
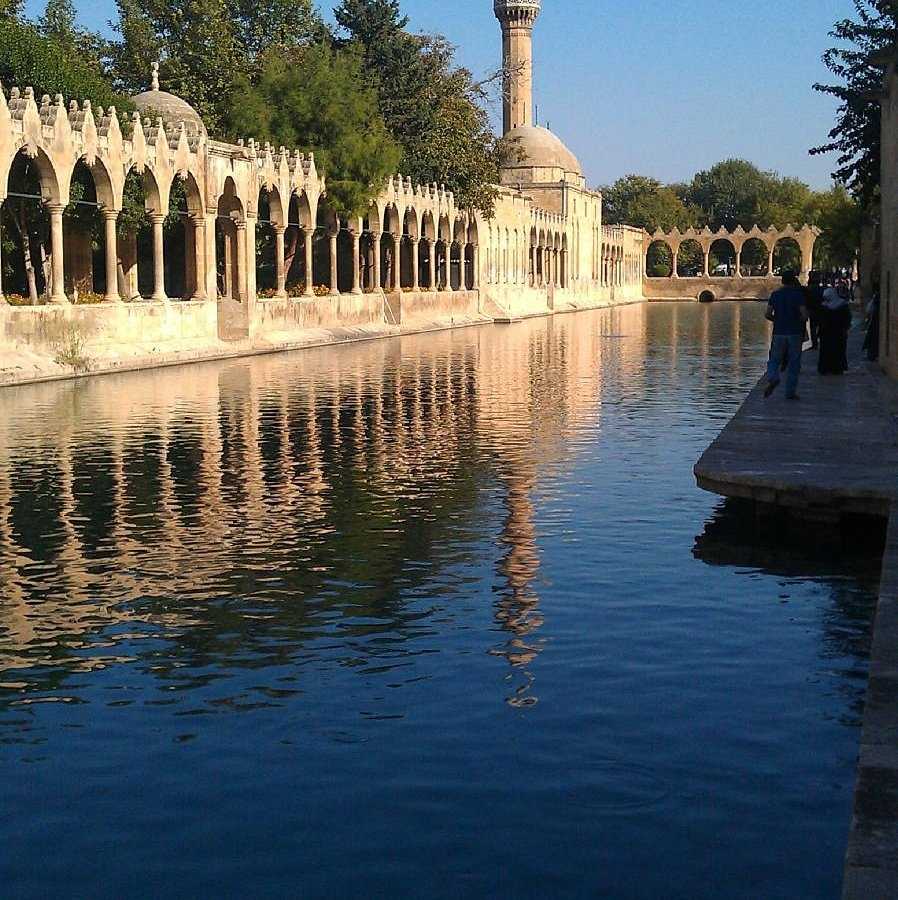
282,493
445,583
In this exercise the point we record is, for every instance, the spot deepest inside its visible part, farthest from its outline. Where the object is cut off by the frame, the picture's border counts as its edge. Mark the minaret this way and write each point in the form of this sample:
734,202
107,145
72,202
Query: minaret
517,18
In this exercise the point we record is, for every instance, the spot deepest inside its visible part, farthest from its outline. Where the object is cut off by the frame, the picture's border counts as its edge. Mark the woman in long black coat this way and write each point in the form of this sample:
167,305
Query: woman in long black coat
835,323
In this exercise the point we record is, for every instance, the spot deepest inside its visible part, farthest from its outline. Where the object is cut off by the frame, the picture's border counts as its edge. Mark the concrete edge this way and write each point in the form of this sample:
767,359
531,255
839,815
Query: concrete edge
871,857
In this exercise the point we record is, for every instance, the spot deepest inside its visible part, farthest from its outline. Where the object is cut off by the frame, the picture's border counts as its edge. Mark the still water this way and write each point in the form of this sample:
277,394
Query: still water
443,616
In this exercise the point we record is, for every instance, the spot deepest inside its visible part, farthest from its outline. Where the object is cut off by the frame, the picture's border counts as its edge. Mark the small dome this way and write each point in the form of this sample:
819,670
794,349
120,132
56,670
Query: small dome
537,147
172,109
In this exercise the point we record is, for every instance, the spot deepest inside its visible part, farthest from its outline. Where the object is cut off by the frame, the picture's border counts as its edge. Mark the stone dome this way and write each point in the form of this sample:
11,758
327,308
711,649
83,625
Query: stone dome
173,109
537,147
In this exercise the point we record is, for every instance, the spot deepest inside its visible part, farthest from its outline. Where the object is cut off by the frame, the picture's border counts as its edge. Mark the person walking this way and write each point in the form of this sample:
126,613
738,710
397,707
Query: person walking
835,323
814,306
789,314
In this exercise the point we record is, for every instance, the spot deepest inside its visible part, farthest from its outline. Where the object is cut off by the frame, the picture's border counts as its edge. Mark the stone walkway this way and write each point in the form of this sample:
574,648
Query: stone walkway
835,451
829,452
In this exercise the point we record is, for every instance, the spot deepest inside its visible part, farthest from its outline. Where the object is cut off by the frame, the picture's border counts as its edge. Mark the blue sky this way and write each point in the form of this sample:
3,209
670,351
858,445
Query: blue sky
658,88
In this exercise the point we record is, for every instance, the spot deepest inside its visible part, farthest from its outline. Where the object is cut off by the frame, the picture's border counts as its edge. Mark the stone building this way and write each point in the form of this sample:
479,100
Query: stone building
242,252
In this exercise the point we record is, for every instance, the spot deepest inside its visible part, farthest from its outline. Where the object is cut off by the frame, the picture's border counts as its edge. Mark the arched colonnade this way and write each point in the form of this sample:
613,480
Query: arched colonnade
538,256
620,264
771,240
221,202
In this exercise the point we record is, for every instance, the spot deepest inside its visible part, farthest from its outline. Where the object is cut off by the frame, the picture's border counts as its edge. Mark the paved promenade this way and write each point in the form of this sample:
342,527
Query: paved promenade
835,451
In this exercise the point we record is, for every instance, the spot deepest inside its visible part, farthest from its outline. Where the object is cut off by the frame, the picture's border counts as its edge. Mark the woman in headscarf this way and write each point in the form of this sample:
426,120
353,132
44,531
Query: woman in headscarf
835,322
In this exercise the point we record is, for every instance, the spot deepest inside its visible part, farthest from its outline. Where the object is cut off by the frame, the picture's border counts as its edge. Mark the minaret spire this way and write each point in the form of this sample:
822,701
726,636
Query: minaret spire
517,18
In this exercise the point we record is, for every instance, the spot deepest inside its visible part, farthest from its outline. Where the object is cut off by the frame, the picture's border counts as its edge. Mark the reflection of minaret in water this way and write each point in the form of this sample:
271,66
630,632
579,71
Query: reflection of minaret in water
517,611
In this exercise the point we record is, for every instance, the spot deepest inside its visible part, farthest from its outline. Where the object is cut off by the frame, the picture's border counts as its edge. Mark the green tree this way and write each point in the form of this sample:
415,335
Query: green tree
856,133
645,203
195,44
433,108
28,58
729,194
208,49
839,216
330,111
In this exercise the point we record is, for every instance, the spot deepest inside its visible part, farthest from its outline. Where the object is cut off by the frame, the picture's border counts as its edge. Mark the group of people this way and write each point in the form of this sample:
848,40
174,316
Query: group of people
820,312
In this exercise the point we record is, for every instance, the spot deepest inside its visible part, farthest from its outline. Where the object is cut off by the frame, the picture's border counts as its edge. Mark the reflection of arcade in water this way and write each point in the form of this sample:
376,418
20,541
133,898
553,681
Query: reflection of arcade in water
232,509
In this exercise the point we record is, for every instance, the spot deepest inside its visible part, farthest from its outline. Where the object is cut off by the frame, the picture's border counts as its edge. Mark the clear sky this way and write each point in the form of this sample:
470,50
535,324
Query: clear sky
657,87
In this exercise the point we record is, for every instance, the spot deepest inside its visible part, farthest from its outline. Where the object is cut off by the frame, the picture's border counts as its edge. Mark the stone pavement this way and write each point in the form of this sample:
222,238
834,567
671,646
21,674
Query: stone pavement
831,451
835,451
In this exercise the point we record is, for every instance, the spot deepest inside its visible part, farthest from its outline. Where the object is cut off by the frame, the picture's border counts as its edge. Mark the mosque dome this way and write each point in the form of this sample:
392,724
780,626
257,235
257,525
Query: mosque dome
173,109
537,147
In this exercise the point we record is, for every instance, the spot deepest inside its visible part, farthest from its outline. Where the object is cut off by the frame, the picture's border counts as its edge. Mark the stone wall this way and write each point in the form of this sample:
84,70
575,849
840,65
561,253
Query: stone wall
691,289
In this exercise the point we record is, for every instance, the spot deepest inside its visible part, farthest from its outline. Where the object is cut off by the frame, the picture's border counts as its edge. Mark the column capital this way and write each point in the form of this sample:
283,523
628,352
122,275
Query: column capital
157,218
110,214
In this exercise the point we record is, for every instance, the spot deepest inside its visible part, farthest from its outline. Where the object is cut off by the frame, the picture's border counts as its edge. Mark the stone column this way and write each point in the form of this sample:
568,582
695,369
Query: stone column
770,262
396,271
110,217
706,253
307,251
280,272
475,267
676,259
432,265
415,263
356,263
199,250
375,238
335,286
241,261
2,297
57,257
228,289
156,220
739,263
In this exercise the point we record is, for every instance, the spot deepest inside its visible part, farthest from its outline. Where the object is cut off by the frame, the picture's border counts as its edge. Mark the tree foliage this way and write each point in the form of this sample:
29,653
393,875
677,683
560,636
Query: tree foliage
30,58
646,203
736,193
329,111
433,108
856,133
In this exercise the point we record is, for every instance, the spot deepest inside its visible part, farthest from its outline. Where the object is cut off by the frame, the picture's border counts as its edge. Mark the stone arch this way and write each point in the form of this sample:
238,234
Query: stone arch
106,194
83,238
326,234
23,217
270,218
409,248
428,228
754,258
659,259
136,262
722,257
787,255
690,259
48,179
564,263
230,243
299,224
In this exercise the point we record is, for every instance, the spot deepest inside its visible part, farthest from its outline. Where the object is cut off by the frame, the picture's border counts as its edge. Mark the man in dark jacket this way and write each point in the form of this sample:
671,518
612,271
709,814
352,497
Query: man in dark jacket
788,312
814,307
